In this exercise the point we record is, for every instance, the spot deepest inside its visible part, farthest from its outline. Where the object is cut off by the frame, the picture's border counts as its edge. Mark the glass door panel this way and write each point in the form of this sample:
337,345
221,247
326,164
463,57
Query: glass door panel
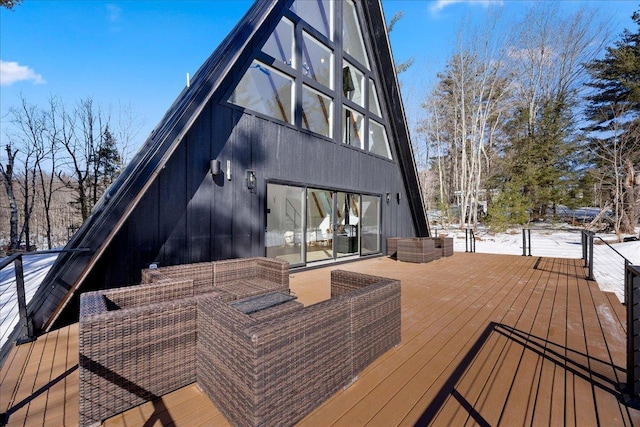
370,225
319,231
347,220
285,215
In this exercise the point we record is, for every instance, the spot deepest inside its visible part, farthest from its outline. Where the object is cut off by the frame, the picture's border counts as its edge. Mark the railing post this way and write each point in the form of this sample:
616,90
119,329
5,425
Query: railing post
524,243
26,324
466,240
473,241
590,255
529,238
583,239
632,289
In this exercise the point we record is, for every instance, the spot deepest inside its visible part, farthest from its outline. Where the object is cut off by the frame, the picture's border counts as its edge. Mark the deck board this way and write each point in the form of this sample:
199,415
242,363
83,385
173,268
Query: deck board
486,340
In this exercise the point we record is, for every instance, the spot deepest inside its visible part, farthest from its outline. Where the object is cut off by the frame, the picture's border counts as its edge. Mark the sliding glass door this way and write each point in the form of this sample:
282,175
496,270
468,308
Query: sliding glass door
319,235
347,220
370,225
306,225
285,221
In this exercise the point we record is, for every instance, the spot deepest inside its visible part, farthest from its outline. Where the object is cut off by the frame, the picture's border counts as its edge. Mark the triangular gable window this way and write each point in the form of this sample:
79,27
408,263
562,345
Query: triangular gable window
317,13
280,44
265,90
293,78
352,40
374,105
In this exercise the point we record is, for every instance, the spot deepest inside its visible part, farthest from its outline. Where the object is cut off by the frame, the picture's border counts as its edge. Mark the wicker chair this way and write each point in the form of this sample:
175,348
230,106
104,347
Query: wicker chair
419,250
392,247
136,344
444,245
374,304
275,370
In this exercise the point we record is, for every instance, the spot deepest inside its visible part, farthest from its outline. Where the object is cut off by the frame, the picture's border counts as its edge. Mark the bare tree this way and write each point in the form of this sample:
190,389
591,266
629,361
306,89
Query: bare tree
465,112
47,179
28,136
58,162
91,152
547,58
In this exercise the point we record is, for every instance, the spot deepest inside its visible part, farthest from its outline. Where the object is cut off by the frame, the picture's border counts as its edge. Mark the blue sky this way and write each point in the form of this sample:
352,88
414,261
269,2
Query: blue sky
138,52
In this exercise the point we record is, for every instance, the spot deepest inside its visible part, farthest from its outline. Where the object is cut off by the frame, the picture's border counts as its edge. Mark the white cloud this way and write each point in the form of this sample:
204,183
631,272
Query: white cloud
12,72
439,5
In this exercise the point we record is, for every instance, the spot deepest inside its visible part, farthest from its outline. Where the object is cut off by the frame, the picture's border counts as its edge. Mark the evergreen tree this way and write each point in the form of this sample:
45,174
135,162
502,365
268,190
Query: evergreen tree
614,116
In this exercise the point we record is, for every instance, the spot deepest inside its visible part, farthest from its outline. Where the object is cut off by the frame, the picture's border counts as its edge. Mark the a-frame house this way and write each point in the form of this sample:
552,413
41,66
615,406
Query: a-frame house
289,142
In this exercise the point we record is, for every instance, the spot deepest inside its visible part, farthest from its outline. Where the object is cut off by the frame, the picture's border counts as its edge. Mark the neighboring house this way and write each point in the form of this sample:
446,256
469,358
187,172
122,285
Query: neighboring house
290,142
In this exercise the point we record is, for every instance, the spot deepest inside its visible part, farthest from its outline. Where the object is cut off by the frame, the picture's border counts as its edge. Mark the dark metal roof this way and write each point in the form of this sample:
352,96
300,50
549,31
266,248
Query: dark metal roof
119,200
69,271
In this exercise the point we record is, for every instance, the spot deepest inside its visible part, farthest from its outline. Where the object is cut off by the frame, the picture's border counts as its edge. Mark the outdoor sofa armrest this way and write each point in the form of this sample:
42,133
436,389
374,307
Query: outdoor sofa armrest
273,372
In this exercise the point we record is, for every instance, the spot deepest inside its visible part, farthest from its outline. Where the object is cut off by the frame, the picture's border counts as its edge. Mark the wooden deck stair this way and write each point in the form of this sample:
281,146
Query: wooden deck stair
486,340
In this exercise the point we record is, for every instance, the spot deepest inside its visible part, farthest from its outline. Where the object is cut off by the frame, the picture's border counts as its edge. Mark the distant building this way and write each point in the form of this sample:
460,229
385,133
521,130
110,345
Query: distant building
289,142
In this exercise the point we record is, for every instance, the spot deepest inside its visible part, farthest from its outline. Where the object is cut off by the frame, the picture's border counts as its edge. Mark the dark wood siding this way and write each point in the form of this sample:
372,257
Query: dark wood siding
181,214
190,216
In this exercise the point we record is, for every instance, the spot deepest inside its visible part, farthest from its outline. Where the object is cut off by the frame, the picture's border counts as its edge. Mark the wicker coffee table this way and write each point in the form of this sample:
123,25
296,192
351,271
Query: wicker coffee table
262,302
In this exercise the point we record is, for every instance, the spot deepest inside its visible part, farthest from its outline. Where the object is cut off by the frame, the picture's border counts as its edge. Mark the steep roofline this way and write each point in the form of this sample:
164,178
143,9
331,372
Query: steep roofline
153,155
404,147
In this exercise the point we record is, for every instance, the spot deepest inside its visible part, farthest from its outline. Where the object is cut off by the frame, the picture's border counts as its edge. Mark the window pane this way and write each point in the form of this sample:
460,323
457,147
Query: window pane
352,83
280,43
265,90
317,60
370,228
317,13
352,128
374,105
378,142
319,233
285,216
347,224
353,43
316,112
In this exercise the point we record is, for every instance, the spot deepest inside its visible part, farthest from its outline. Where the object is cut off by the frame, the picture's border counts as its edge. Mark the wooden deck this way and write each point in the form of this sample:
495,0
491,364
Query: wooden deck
486,340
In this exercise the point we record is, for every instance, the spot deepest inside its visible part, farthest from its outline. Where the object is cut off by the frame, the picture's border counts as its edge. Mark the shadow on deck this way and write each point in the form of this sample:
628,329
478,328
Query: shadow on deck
486,339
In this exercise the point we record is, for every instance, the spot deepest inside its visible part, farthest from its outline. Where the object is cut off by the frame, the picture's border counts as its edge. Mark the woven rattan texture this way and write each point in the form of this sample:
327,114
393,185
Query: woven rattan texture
139,343
417,250
134,355
274,372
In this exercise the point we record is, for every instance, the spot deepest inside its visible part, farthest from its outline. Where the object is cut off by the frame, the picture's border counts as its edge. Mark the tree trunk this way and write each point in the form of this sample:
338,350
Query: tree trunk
631,199
8,178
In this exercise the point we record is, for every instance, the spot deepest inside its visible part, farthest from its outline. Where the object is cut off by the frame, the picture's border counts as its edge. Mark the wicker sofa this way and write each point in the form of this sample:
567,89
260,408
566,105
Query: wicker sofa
138,343
274,371
237,278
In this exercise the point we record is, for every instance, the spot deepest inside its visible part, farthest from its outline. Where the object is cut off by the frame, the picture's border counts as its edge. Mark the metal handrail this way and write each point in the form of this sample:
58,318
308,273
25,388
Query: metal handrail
587,252
26,322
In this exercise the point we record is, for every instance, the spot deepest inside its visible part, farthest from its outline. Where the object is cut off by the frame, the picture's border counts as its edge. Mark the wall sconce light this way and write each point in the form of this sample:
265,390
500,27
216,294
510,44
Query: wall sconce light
399,197
388,198
214,167
251,180
229,170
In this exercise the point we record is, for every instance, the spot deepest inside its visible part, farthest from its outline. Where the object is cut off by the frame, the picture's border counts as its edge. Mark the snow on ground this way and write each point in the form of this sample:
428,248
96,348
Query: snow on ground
609,260
547,241
35,268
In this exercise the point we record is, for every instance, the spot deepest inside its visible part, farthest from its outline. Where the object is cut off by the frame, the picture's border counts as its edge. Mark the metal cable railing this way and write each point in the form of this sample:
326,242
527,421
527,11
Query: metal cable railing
17,287
604,262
